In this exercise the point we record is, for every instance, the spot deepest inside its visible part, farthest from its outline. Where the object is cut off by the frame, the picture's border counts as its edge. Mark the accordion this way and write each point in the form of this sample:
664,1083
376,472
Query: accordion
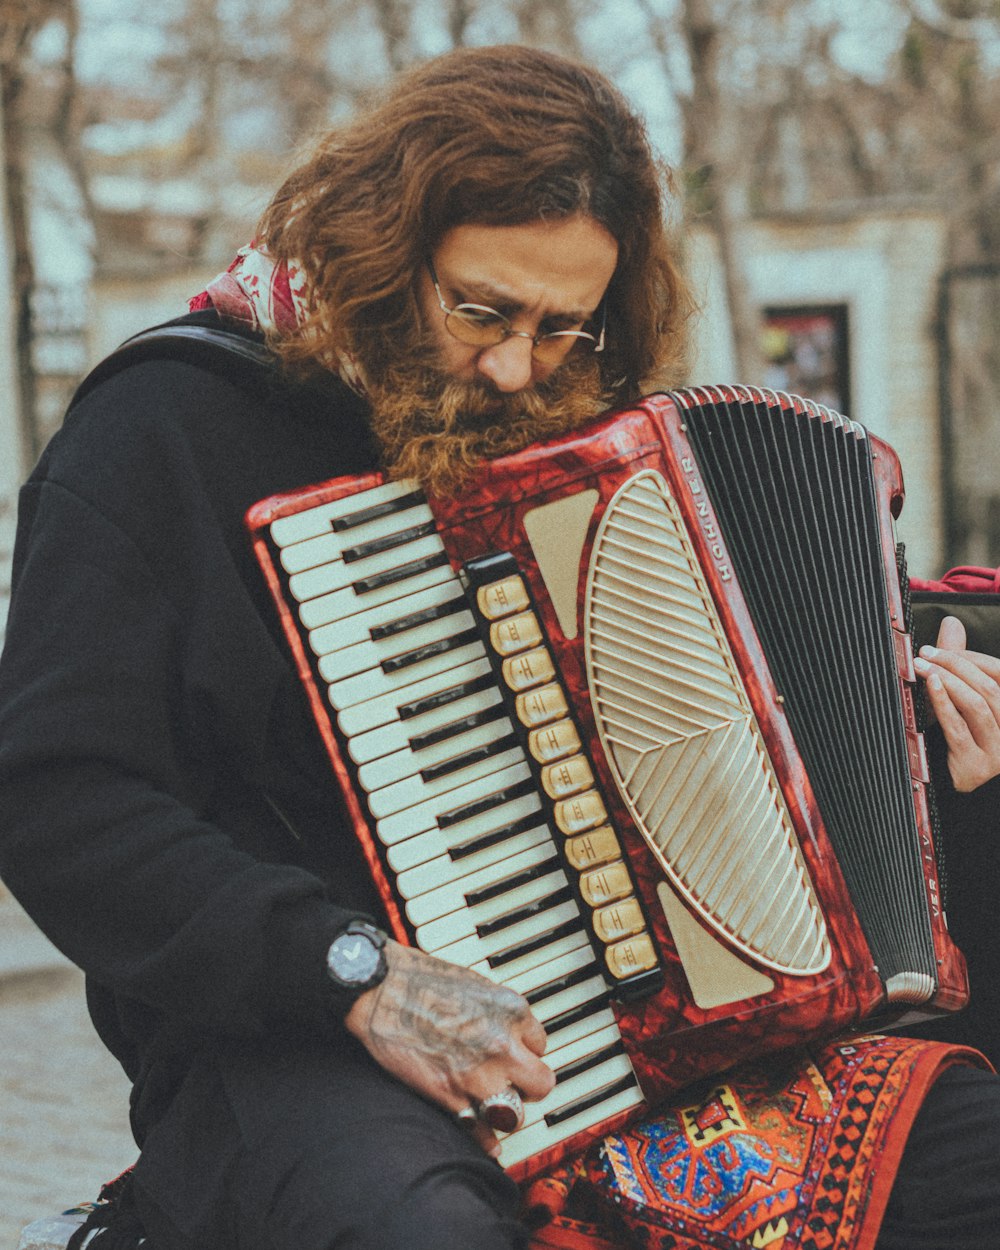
631,728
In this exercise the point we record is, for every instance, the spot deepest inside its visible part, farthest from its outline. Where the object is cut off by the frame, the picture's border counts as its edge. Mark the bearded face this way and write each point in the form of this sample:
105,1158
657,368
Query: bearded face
443,404
437,429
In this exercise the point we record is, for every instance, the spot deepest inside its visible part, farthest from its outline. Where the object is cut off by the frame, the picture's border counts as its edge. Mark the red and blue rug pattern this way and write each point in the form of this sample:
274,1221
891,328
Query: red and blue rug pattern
797,1152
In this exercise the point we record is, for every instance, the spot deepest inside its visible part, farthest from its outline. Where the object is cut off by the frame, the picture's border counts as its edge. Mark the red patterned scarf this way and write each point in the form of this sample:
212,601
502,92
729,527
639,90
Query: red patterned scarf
796,1152
271,298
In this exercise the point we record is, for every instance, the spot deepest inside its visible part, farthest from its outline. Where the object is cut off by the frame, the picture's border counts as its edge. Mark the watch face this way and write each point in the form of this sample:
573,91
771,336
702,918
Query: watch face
353,958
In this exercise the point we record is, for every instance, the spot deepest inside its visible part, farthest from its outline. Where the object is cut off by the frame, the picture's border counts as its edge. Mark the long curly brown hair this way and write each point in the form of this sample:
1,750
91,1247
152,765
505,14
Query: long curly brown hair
492,136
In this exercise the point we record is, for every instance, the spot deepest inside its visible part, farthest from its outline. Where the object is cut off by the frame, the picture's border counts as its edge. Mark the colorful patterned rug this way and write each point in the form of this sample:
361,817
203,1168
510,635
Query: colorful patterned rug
798,1152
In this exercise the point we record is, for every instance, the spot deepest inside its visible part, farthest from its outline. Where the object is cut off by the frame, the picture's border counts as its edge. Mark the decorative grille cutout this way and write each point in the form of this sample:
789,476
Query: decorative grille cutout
681,738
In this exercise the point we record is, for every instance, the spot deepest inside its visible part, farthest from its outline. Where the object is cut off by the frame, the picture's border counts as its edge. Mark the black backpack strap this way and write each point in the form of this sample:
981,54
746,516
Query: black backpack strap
199,339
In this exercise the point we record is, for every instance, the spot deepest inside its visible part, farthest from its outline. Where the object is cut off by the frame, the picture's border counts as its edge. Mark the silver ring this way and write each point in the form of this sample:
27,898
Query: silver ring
503,1112
467,1116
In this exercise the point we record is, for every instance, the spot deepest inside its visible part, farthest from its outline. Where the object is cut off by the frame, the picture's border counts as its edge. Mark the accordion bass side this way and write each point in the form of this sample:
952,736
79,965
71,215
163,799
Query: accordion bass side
631,728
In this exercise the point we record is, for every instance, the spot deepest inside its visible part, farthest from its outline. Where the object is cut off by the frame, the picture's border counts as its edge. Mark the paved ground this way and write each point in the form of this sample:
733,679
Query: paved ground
63,1099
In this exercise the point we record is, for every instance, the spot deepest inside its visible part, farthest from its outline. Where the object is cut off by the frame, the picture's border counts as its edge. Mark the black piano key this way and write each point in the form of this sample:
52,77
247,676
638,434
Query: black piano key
472,756
455,727
441,698
402,572
592,1100
485,840
364,515
568,927
476,808
388,542
590,1008
589,1061
562,983
443,645
540,905
403,623
496,888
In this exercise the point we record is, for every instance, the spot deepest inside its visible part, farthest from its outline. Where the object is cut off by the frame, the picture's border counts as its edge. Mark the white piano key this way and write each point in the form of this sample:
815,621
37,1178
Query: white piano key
424,816
309,522
406,763
443,872
543,963
375,713
374,684
431,843
539,975
341,605
457,925
567,1092
537,1136
394,738
603,1019
311,552
560,1052
470,950
449,888
335,575
571,997
357,627
345,662
413,791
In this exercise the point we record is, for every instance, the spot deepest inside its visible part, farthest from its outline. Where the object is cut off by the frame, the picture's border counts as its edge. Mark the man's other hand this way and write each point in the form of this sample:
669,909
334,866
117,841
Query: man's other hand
964,691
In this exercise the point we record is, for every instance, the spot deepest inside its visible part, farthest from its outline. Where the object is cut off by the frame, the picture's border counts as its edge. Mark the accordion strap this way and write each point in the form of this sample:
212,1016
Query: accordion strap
195,340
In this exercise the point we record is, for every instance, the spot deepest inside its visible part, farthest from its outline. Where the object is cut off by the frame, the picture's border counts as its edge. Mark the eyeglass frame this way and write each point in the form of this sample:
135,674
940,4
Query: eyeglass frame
507,331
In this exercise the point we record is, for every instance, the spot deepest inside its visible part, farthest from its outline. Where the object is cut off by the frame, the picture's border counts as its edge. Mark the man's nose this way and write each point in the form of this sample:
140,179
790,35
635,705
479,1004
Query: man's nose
508,365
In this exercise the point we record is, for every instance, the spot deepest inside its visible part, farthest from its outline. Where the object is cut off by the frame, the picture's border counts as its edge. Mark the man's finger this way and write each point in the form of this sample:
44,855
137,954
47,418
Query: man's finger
951,634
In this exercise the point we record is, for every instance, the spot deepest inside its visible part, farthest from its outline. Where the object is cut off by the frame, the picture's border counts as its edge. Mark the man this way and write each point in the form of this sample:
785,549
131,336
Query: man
479,262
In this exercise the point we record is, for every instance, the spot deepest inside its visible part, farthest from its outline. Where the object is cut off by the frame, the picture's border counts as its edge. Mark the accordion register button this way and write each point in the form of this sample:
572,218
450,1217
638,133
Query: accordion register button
635,954
502,598
554,741
618,920
587,850
605,885
534,668
516,633
540,707
577,815
567,777
917,754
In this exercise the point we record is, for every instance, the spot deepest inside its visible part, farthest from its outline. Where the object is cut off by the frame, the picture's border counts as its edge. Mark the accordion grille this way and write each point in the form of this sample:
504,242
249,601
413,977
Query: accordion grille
681,738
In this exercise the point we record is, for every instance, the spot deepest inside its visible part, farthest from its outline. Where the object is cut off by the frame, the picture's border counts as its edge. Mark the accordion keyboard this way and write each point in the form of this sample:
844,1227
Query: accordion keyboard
448,787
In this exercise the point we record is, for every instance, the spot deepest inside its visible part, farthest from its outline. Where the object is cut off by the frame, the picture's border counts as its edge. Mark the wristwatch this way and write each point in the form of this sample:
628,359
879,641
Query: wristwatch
356,958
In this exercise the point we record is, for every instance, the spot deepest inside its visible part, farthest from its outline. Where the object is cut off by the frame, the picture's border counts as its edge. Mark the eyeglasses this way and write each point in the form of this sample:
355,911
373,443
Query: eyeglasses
479,326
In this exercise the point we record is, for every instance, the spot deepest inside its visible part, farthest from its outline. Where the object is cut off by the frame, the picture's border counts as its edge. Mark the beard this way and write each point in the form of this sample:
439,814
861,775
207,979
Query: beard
439,430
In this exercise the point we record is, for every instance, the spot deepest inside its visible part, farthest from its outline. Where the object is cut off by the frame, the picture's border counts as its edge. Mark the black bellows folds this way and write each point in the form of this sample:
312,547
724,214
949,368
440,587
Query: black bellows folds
794,495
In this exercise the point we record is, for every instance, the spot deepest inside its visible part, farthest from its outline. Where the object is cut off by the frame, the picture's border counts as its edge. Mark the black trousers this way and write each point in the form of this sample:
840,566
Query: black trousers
276,1148
273,1147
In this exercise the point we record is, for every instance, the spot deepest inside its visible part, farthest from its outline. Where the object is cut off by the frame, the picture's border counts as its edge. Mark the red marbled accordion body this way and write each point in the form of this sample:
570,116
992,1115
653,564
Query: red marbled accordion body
669,1039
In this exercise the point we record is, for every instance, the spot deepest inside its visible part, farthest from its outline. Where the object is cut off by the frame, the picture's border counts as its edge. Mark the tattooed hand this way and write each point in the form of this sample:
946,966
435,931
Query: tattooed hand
964,691
450,1034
